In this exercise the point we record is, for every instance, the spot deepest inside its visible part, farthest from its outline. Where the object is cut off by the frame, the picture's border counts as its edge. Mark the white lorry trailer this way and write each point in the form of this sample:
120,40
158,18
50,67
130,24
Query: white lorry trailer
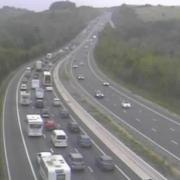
38,65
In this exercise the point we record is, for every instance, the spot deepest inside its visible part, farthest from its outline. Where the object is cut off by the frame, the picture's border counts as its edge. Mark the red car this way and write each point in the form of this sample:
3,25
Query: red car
50,124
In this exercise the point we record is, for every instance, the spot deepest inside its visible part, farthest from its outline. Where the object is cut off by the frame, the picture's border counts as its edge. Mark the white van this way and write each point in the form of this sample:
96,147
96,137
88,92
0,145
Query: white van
59,138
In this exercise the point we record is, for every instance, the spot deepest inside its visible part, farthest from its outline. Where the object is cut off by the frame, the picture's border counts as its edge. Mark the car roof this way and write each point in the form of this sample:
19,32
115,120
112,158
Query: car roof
106,157
76,155
83,136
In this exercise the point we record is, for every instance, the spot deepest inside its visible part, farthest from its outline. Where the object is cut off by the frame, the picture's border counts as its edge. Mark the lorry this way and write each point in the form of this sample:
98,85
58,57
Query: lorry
25,98
39,93
38,65
35,83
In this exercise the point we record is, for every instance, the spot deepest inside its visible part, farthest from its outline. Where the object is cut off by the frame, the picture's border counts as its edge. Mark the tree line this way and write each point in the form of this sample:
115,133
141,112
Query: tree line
143,54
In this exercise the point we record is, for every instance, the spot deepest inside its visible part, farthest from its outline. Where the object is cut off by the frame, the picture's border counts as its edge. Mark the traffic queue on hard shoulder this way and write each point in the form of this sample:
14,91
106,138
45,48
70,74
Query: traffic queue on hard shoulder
35,82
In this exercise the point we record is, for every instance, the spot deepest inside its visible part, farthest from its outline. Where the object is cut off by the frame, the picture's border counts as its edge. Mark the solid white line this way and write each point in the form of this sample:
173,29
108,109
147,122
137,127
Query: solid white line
20,128
136,101
99,149
148,138
4,137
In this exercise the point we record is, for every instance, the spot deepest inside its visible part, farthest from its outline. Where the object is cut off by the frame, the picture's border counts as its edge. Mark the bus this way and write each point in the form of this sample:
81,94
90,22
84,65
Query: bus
25,98
34,125
54,167
47,79
59,138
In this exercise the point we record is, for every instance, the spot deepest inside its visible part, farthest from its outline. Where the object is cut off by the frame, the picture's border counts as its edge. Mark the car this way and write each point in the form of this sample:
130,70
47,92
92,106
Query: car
39,103
105,162
80,77
49,88
45,113
75,66
24,80
57,102
35,76
99,94
42,154
81,63
84,141
23,87
106,83
73,127
76,161
50,124
125,104
64,113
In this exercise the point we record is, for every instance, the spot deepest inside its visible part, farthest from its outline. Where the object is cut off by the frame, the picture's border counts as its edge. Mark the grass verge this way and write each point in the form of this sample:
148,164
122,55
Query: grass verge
3,172
143,150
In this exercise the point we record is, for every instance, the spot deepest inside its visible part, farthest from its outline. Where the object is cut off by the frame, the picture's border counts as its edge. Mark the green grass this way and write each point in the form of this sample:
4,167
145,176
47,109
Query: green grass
4,84
156,13
143,150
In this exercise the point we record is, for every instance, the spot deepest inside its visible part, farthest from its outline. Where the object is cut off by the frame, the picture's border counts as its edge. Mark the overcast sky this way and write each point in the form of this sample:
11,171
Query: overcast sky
39,5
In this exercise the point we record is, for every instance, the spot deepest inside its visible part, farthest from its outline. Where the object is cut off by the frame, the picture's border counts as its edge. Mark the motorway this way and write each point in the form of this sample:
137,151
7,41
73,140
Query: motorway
148,120
20,150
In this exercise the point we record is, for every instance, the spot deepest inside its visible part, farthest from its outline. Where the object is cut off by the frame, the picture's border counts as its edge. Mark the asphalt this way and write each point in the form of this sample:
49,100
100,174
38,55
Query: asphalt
20,147
150,121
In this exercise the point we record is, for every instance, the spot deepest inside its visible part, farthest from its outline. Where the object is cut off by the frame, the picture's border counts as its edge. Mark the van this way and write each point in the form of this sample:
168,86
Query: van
59,138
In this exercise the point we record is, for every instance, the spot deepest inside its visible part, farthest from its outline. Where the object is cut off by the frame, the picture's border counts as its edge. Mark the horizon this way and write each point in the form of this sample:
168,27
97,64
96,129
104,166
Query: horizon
39,5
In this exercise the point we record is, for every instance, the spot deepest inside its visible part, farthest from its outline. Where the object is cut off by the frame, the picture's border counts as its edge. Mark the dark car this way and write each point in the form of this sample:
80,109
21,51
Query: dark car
73,127
105,163
39,103
45,113
76,161
64,113
84,141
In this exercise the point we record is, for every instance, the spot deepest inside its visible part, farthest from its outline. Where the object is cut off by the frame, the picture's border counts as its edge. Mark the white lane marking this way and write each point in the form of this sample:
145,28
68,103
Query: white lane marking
90,169
154,130
98,148
52,151
134,100
174,142
20,128
4,137
172,129
122,172
133,128
44,136
138,120
76,150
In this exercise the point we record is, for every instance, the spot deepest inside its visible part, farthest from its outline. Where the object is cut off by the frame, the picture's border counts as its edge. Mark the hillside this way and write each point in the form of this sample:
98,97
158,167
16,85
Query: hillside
26,34
143,52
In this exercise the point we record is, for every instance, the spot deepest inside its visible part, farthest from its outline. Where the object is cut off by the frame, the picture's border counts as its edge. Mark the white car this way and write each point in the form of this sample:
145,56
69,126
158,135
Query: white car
125,104
75,66
99,94
106,83
49,88
80,77
56,102
81,63
42,154
23,87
